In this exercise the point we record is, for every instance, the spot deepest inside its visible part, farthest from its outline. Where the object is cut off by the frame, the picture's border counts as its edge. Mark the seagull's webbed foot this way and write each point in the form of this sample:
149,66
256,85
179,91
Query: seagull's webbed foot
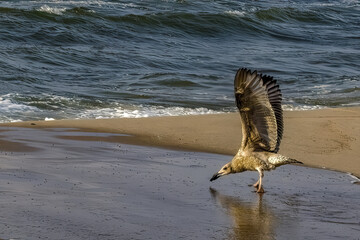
260,190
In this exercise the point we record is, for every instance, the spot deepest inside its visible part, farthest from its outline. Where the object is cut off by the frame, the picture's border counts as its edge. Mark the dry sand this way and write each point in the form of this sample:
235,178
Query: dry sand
327,138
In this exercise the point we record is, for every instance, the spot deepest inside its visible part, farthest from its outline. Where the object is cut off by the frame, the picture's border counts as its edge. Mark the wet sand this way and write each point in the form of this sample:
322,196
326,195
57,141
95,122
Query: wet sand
65,184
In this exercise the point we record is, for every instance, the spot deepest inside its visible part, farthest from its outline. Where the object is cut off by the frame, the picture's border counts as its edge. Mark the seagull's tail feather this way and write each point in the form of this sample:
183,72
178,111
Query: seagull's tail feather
279,160
292,160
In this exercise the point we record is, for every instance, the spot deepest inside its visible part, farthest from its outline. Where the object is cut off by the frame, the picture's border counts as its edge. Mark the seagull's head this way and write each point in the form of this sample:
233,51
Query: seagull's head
225,170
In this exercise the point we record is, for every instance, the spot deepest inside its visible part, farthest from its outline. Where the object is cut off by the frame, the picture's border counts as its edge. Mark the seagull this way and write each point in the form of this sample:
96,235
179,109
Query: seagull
258,99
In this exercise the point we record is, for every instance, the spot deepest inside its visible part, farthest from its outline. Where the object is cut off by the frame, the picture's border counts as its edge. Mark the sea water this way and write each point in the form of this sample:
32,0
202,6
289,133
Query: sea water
104,59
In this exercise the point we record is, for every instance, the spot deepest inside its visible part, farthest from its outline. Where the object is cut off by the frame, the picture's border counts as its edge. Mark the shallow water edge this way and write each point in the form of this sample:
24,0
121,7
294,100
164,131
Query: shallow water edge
95,189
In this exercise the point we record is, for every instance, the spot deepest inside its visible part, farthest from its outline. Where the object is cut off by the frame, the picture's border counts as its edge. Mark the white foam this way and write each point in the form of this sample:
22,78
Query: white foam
12,111
354,104
59,6
140,112
290,107
69,108
52,10
6,105
14,120
236,13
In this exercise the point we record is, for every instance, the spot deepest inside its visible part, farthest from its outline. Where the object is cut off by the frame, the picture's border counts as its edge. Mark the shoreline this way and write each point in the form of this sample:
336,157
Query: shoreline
324,138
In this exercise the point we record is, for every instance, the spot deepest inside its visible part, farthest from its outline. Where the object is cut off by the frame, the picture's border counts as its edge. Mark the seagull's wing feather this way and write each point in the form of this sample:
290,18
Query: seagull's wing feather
258,99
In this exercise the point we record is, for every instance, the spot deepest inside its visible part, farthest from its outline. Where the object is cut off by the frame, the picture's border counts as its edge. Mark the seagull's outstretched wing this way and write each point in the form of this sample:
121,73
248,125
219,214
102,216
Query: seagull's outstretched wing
259,101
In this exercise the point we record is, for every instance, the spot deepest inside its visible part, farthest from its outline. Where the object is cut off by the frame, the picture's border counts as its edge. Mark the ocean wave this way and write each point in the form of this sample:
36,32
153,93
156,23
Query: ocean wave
93,59
177,83
48,107
236,13
291,107
8,105
80,11
88,22
52,10
16,107
243,16
11,111
288,14
182,20
143,112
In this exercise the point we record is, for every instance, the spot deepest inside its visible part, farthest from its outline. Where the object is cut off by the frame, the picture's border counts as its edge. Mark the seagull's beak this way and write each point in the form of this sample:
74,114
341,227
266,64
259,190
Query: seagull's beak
225,170
215,176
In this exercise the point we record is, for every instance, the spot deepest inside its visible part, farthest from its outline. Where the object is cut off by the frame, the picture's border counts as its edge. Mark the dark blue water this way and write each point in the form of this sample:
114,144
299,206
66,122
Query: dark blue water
93,59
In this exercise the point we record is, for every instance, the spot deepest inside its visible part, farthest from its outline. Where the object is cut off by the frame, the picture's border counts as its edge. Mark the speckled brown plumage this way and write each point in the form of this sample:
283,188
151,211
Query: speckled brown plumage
258,99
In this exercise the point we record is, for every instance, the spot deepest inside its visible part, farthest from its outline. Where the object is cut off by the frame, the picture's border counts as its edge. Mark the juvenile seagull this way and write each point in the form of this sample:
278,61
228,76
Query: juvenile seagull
258,99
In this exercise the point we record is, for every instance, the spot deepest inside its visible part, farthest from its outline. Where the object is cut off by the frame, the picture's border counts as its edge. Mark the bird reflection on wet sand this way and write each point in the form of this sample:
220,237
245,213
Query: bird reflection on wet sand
250,220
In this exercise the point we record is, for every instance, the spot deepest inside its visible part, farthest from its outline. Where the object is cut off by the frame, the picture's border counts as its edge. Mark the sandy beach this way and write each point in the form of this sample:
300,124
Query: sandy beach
148,178
115,116
64,183
328,138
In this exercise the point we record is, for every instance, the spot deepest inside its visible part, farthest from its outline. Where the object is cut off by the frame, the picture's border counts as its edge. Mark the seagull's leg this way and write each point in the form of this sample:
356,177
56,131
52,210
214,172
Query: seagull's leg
256,185
260,189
